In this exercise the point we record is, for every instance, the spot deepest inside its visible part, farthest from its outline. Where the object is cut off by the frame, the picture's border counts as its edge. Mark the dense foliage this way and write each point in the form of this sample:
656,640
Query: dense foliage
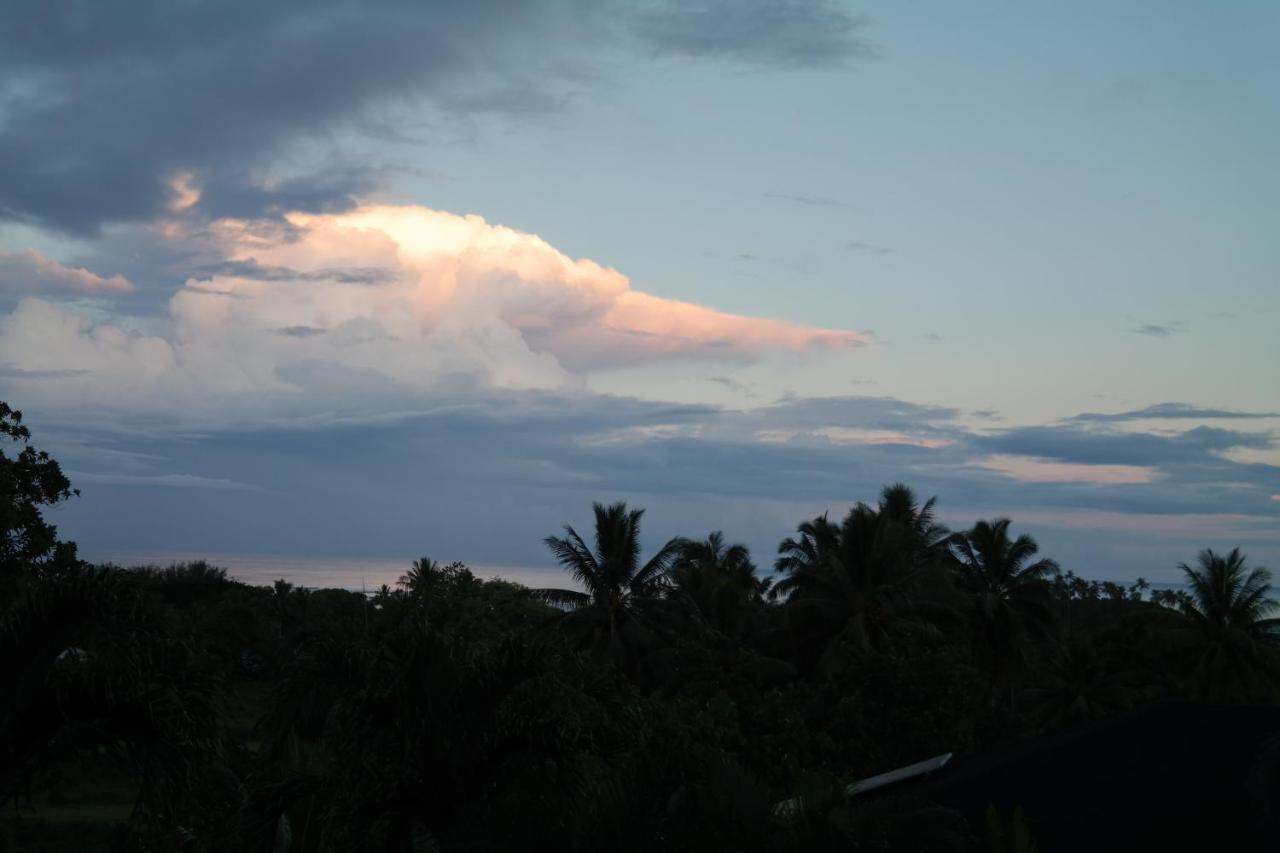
677,700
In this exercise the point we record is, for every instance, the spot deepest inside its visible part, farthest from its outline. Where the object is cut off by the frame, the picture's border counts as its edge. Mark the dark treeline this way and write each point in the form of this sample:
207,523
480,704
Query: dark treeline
668,701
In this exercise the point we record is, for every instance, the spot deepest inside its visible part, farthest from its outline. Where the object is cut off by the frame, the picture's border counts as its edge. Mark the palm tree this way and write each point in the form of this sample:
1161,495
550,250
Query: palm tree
417,580
928,538
1008,593
616,587
719,581
854,583
1082,683
1228,610
819,539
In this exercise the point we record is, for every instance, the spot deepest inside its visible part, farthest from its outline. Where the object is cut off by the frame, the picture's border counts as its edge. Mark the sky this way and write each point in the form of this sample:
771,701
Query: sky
402,279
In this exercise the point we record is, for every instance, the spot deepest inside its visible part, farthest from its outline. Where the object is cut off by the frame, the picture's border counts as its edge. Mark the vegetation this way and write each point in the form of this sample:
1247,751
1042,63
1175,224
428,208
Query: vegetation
669,701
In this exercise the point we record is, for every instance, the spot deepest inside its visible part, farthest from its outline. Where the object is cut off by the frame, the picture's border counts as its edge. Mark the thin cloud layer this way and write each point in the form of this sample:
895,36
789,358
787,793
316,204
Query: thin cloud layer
426,477
1158,330
29,272
781,33
1029,469
1170,411
382,301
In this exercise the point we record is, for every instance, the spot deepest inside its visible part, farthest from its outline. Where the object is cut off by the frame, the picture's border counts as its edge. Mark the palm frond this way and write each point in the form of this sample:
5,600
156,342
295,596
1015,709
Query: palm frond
568,599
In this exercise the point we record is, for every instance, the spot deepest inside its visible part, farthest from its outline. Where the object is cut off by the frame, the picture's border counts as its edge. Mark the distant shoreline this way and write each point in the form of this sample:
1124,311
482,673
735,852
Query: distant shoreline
367,573
353,573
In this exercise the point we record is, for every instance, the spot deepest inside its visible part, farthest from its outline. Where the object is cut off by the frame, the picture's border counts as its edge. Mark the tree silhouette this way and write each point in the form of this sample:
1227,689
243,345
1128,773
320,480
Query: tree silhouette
1008,594
618,592
927,538
427,577
850,584
1080,684
30,480
811,552
1228,610
87,673
718,581
418,578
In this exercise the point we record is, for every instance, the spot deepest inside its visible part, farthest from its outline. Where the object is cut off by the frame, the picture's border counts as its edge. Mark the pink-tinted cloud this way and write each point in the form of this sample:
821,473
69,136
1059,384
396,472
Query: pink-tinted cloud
1029,469
639,327
853,437
461,268
29,272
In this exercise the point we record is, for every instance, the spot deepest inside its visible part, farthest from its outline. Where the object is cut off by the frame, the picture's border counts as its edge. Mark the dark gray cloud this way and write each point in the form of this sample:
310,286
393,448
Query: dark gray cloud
104,103
1170,411
254,270
887,413
107,101
1157,330
235,193
1088,447
727,382
299,331
855,246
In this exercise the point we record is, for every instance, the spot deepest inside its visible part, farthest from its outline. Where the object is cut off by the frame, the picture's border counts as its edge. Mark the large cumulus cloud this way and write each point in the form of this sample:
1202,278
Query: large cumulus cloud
373,305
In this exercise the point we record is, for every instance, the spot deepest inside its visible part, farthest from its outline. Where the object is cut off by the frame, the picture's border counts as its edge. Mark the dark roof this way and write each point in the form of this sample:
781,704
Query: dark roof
1167,777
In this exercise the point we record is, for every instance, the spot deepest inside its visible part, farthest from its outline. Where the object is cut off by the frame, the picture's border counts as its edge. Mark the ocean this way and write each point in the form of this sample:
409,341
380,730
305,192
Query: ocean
355,573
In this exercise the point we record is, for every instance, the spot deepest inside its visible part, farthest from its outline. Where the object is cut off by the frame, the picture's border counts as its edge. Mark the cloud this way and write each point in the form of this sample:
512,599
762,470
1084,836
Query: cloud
12,372
1155,330
285,327
781,33
1028,469
885,413
252,269
297,331
115,111
852,436
180,481
1170,411
29,272
729,383
855,246
807,200
1089,447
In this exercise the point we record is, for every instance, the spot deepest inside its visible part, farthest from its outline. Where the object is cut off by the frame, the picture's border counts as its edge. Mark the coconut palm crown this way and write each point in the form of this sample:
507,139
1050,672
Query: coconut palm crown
1008,592
718,580
615,585
1228,609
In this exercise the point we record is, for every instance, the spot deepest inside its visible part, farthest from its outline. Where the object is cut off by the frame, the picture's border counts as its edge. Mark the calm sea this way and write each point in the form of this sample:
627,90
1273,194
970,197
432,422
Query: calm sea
355,573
